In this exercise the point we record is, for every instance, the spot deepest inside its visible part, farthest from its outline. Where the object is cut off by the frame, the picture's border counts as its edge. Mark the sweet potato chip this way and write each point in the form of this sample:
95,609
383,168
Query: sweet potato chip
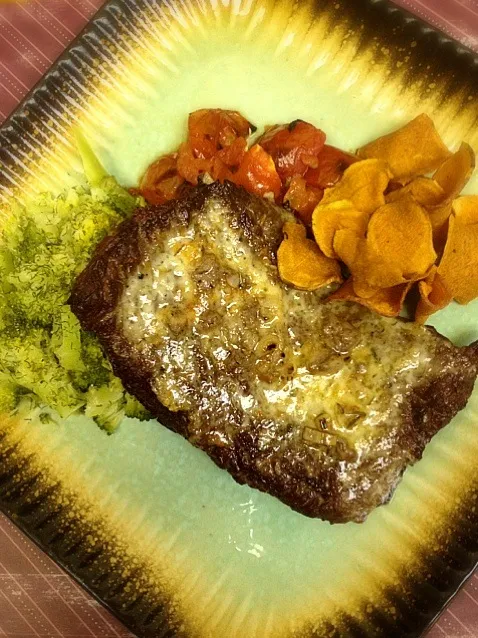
413,150
363,289
347,242
387,302
363,184
424,190
455,172
439,216
434,295
458,268
465,209
399,245
302,264
331,217
294,232
449,180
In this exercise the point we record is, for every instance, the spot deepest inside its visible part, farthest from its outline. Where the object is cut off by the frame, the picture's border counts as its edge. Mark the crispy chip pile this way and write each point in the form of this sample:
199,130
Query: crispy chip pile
393,227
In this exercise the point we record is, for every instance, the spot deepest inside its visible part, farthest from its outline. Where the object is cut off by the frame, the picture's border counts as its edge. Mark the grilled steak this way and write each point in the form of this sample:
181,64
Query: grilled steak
322,405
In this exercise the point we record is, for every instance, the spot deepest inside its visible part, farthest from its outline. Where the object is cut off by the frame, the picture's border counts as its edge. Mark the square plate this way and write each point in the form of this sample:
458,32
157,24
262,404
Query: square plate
164,538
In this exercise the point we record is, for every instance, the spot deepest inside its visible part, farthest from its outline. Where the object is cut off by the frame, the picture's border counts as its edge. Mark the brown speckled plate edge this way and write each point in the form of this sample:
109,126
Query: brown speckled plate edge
39,517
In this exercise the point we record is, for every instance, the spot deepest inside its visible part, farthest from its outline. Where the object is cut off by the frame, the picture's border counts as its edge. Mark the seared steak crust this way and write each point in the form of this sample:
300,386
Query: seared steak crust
322,405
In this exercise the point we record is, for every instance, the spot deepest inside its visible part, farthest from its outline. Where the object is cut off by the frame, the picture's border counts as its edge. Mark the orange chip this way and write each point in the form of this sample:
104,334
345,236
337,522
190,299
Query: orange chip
302,264
454,174
439,216
424,190
363,184
387,302
349,245
434,295
451,177
347,242
328,218
466,209
413,150
458,268
364,290
399,245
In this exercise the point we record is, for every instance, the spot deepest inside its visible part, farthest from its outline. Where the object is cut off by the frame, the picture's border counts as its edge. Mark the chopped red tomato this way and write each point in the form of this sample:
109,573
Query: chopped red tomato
190,166
293,147
290,161
233,154
165,191
216,144
227,160
331,164
257,173
219,166
210,130
161,181
165,166
303,198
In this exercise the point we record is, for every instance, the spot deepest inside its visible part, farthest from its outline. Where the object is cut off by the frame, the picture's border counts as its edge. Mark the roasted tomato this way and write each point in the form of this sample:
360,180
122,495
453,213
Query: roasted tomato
233,154
219,166
303,198
189,166
161,182
216,144
331,164
257,173
290,161
294,147
210,130
165,166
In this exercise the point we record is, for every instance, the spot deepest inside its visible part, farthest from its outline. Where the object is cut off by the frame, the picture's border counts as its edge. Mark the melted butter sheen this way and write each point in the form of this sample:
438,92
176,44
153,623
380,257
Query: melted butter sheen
237,348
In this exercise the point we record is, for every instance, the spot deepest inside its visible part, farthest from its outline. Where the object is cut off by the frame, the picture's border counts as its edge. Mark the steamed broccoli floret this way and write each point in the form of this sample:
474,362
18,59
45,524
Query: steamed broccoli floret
134,409
8,395
97,370
66,340
40,286
105,405
53,242
28,362
46,359
116,196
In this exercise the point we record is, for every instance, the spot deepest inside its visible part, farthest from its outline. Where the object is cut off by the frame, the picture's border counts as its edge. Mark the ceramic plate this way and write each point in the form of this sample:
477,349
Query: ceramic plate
167,540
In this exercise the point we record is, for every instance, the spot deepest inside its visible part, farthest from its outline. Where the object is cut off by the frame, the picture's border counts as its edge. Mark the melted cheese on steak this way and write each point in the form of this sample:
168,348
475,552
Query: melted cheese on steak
234,345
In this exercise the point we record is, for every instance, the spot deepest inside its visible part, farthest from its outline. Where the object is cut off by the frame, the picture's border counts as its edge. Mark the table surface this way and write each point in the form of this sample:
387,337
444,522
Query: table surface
36,597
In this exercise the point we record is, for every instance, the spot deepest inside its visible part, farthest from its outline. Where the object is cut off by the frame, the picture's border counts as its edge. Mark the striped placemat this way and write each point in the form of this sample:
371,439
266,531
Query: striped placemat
36,597
457,18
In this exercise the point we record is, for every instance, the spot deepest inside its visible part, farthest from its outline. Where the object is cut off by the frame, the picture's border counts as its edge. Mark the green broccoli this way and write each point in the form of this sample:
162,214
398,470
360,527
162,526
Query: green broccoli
105,405
48,365
134,409
28,362
66,340
116,197
8,395
53,241
97,369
